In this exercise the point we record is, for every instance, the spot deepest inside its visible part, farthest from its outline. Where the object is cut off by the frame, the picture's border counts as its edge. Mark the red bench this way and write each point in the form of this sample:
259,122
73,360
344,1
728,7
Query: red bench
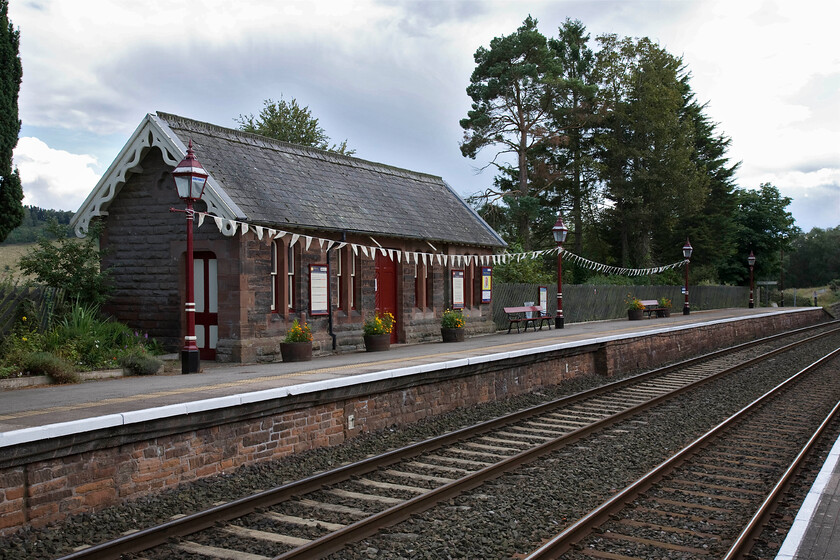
517,315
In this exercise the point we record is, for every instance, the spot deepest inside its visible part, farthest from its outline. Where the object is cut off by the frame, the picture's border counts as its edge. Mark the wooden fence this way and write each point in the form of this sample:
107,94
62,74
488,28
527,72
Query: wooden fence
583,302
42,300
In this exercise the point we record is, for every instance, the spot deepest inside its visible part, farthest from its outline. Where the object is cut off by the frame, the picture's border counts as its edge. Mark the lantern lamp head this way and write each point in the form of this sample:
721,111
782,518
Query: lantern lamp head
190,177
560,231
751,259
687,249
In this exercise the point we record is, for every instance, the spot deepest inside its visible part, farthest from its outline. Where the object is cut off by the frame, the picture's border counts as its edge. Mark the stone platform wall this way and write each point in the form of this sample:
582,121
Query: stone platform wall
44,481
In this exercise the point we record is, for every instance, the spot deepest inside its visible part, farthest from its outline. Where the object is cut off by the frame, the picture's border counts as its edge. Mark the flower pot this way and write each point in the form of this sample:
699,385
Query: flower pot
635,314
377,342
296,351
663,313
452,334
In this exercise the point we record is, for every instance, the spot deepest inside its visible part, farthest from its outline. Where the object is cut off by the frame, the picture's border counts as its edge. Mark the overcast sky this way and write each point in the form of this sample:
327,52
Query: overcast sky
390,77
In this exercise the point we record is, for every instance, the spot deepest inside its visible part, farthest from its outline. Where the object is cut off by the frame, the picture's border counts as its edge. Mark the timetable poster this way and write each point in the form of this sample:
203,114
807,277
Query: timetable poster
486,284
457,289
318,282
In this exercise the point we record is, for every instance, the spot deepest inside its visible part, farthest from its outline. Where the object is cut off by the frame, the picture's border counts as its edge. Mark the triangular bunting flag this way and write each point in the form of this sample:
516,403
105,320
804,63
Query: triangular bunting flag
295,237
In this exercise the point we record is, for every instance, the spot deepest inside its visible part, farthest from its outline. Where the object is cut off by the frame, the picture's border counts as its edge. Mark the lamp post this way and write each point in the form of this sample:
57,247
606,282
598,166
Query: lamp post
687,249
751,261
560,231
190,179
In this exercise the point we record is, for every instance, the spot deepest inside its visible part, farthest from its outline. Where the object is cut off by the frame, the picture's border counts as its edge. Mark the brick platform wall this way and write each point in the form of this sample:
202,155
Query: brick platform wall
42,482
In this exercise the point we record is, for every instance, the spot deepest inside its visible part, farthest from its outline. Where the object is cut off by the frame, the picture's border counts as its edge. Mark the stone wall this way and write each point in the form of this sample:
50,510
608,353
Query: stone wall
42,482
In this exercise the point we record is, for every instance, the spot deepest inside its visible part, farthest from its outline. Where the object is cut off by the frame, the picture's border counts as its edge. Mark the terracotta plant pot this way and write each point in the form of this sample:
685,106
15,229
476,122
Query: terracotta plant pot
635,314
377,342
296,351
452,334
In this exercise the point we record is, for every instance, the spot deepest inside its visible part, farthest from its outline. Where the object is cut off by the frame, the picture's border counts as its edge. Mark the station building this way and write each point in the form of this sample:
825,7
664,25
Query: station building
283,232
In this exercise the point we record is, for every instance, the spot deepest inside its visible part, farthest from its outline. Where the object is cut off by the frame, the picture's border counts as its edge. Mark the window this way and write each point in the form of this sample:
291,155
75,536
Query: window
291,264
429,274
275,287
355,266
419,286
338,273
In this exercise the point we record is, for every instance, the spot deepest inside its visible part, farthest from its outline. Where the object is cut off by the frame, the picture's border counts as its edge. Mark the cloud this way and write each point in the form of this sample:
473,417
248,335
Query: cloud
54,178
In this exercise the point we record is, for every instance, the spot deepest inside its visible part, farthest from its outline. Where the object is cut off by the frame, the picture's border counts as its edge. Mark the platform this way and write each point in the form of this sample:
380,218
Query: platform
815,533
24,409
75,448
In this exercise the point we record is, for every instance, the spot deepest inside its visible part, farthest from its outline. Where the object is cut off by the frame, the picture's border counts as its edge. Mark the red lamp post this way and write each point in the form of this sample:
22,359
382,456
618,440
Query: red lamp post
560,231
687,249
751,262
190,180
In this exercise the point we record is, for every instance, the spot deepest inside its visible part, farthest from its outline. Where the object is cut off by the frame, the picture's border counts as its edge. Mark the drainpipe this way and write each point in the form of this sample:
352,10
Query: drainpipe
329,298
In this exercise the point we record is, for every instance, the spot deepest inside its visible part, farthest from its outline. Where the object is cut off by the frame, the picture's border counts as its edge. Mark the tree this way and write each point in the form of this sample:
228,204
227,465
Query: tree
11,71
70,264
766,227
511,90
574,116
814,259
289,122
647,149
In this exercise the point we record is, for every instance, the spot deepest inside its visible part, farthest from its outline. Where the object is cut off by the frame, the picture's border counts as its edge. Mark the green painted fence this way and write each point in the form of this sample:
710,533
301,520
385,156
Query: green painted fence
583,302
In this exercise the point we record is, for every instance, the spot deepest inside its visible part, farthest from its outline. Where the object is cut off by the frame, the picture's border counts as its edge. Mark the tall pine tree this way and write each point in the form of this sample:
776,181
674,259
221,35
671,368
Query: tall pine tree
11,193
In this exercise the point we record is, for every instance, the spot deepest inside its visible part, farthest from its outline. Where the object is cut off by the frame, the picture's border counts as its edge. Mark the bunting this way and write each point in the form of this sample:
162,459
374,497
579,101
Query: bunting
234,226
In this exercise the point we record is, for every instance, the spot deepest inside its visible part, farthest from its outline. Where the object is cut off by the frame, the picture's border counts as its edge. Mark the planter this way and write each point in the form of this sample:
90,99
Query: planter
452,334
377,342
296,351
635,314
663,313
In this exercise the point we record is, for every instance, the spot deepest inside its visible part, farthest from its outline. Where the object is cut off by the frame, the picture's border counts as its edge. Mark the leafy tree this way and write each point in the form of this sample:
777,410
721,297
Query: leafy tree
289,122
11,71
69,263
766,227
814,259
512,92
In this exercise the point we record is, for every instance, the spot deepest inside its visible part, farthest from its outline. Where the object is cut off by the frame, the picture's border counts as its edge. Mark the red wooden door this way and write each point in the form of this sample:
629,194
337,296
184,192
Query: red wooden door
386,289
206,304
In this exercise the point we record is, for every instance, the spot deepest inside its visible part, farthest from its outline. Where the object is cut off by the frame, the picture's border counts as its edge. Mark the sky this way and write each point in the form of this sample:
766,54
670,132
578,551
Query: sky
390,77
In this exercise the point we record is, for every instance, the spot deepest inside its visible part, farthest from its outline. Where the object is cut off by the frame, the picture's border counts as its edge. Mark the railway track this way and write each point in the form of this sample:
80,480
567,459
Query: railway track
711,499
319,515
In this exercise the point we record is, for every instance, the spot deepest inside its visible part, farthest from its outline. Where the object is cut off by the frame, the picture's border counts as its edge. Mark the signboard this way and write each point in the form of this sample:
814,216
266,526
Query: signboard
486,284
457,289
544,298
318,289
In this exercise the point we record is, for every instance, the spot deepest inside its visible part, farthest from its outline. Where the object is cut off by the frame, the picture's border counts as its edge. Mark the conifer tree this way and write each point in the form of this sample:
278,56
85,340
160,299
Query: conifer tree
11,193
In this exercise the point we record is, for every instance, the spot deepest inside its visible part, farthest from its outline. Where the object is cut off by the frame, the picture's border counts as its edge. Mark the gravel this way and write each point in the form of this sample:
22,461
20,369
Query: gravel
508,517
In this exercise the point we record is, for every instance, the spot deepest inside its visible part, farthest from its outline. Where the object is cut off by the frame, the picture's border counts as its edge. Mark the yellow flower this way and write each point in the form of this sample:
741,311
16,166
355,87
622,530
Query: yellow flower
23,318
23,339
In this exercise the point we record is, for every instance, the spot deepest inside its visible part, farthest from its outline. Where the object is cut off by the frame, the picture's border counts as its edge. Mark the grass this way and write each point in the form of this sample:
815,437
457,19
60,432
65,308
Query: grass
9,256
824,296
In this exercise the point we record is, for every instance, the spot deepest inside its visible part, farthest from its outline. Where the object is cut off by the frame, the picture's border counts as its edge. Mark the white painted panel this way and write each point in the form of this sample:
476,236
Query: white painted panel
198,284
199,336
213,296
214,336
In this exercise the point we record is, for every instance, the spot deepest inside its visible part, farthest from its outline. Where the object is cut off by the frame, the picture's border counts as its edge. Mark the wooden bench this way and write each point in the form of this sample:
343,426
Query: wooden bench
652,306
517,315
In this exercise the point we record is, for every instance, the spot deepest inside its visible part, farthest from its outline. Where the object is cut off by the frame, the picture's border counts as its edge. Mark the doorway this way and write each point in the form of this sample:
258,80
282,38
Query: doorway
386,289
205,284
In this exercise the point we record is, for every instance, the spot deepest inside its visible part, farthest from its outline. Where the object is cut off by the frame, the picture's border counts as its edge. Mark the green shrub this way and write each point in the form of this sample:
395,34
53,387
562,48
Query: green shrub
45,363
138,362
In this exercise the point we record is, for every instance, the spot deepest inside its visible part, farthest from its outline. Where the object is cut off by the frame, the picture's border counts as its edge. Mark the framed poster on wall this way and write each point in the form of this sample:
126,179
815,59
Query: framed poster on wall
318,287
486,284
544,298
457,289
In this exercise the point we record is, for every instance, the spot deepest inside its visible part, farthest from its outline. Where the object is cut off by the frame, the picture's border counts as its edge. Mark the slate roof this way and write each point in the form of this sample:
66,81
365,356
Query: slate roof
285,185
